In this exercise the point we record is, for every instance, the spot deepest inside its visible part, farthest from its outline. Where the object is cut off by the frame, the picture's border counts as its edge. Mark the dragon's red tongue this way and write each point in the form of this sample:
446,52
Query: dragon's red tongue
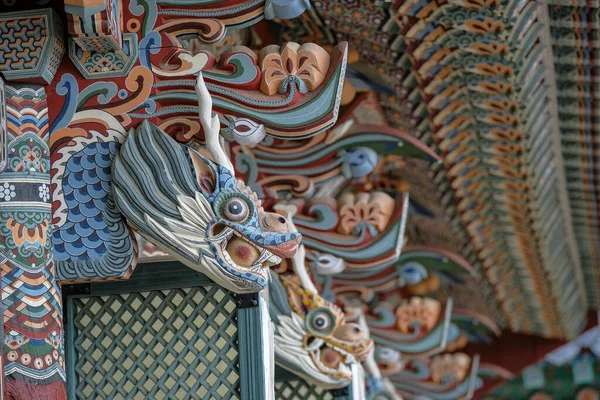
330,358
242,252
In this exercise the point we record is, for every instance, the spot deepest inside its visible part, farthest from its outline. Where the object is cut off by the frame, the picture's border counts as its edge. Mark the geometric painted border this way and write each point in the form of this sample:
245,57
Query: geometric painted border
117,63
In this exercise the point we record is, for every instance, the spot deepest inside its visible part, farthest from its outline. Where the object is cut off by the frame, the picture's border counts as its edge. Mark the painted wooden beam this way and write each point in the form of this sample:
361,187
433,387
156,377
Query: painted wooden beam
31,297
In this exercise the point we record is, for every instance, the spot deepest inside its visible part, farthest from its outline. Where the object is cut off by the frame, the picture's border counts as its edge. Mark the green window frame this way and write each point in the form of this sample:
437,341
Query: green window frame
254,349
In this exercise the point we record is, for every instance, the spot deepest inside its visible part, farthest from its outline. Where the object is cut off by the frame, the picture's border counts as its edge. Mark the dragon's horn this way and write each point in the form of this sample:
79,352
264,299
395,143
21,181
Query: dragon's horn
298,261
370,363
211,126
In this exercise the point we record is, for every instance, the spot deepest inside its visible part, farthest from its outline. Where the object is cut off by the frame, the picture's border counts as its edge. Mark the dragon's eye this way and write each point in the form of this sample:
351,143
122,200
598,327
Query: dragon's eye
320,321
236,210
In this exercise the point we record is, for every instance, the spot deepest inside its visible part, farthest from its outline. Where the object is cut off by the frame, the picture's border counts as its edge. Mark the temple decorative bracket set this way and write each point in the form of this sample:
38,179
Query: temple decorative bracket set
294,199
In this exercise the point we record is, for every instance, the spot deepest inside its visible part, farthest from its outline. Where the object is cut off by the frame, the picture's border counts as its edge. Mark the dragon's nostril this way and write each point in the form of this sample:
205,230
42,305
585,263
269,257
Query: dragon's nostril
281,220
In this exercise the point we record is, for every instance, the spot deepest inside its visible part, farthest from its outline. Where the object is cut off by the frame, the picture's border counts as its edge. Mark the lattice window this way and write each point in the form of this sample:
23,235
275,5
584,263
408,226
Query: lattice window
299,390
159,344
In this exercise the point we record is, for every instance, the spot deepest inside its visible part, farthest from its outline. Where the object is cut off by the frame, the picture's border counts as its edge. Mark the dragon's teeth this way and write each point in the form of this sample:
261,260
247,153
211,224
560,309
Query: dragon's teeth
265,260
244,238
264,256
316,345
346,355
256,268
274,259
221,236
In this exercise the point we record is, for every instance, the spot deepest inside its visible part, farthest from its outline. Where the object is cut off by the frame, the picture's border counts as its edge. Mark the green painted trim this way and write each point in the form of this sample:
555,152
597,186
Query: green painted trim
153,276
252,355
70,349
342,394
283,375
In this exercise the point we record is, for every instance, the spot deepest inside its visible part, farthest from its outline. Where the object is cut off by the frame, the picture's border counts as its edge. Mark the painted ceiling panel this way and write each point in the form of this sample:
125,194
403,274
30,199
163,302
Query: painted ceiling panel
574,33
476,82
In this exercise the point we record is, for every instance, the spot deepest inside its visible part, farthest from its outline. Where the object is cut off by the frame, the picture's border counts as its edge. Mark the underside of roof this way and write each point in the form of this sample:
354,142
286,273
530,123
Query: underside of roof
505,92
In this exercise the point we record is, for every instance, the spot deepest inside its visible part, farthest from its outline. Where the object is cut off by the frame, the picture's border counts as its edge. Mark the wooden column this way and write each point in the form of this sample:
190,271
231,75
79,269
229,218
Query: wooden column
33,347
3,255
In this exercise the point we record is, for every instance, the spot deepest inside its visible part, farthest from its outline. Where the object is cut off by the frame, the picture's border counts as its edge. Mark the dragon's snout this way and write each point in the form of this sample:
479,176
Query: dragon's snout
288,248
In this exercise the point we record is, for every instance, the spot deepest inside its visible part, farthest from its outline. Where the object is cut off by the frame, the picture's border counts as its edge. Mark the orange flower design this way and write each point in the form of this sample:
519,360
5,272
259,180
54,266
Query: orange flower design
21,233
453,366
422,311
304,65
372,208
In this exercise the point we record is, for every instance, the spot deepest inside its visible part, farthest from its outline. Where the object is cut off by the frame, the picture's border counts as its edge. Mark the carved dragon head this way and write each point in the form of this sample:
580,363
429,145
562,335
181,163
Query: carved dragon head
197,211
312,337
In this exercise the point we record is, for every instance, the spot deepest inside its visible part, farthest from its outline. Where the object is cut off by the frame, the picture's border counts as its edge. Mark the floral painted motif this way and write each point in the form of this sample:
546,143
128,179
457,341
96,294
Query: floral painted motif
30,162
25,236
8,191
305,65
373,209
417,313
32,235
14,339
44,192
454,367
29,154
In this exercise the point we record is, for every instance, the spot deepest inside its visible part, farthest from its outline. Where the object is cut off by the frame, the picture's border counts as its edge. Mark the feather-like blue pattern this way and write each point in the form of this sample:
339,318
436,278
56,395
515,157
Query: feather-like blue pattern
94,242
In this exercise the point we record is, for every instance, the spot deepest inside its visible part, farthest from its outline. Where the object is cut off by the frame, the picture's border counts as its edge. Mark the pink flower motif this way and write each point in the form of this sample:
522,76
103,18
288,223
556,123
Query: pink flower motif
419,312
373,209
305,66
450,367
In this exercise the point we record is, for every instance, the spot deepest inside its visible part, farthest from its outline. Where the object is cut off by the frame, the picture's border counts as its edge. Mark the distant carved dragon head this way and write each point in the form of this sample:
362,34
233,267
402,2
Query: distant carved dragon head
312,337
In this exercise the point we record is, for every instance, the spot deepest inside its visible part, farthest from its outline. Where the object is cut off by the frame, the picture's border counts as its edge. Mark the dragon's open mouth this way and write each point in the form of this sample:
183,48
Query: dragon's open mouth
240,252
332,360
329,359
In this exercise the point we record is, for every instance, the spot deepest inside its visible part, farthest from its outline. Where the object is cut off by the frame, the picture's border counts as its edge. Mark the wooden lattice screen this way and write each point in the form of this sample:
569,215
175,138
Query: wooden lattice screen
300,390
167,333
288,386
